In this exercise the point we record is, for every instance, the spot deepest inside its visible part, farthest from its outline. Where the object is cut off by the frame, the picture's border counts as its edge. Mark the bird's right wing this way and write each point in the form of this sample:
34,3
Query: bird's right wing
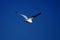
24,16
36,15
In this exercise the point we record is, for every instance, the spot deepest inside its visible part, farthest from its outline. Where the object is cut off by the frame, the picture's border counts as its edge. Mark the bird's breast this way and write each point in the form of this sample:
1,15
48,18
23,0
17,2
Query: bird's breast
29,20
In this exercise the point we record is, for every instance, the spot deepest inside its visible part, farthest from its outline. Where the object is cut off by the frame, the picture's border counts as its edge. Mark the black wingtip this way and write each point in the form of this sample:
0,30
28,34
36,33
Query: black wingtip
36,15
39,13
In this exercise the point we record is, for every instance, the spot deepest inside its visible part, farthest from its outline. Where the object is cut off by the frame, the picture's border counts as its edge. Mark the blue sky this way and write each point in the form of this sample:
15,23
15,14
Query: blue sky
44,27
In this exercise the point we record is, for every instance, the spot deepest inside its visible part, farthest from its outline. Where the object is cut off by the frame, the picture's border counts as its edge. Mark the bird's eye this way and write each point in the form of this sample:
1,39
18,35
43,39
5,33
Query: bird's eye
27,21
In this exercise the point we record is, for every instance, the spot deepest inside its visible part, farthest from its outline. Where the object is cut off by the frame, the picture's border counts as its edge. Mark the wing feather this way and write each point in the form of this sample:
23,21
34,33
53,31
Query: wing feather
24,16
36,15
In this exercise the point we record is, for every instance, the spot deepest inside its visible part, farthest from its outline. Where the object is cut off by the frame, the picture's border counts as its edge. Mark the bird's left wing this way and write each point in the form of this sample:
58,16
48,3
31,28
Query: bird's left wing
24,16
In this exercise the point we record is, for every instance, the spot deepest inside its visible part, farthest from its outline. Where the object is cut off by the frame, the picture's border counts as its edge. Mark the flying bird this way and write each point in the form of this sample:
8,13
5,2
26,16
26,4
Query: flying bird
29,20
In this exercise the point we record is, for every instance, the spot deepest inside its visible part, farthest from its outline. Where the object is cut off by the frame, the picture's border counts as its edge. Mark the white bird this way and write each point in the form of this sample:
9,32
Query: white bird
29,20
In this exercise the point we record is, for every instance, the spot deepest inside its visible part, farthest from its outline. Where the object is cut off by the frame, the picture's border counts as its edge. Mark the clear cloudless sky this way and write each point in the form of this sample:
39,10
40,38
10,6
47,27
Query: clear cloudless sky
44,27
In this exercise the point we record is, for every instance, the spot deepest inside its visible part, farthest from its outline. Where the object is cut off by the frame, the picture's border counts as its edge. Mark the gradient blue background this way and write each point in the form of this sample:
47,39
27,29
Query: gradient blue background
44,27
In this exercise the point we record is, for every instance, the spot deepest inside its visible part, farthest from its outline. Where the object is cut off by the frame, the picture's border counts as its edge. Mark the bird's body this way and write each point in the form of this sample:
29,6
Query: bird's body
29,20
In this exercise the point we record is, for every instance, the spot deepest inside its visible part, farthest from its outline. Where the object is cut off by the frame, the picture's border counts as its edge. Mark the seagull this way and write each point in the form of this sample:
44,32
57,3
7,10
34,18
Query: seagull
29,20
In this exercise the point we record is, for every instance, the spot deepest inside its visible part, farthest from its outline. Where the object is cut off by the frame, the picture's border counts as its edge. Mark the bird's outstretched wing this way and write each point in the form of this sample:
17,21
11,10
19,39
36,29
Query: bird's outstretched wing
24,16
36,15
